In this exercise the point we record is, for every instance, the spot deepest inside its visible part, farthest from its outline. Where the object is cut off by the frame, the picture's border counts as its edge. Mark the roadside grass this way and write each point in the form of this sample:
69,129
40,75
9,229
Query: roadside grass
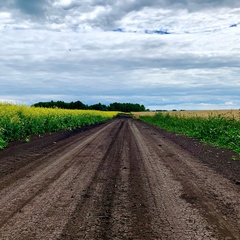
20,122
218,130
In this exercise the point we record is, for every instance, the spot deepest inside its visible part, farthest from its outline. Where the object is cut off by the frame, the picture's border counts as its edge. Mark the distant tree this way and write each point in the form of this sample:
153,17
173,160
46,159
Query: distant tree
99,106
78,105
122,107
126,107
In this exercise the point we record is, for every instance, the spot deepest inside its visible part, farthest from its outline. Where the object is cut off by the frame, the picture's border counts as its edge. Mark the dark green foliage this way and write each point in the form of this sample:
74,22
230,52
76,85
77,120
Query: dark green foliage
126,107
99,106
62,105
122,107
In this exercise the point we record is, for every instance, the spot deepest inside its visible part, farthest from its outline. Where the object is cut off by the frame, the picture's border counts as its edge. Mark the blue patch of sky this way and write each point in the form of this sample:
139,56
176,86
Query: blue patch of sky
118,30
31,7
157,32
234,25
161,32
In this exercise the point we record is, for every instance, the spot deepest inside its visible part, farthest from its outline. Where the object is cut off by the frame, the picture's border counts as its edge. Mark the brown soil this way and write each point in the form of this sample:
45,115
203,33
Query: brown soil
123,179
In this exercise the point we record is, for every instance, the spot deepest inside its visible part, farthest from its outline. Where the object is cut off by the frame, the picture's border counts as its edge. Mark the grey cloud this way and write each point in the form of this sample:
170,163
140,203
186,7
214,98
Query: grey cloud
6,4
116,10
136,5
112,12
195,5
32,7
71,6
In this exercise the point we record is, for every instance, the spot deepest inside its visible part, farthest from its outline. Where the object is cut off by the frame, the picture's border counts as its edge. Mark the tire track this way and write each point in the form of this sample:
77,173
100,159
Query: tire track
28,201
215,198
120,180
172,217
92,218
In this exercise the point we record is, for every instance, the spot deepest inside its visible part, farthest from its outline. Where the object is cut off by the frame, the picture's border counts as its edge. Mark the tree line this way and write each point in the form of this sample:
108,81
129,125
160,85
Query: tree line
122,107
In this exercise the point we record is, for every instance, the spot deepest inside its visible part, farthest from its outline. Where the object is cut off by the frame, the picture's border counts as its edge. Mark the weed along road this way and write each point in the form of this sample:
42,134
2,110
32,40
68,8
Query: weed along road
123,179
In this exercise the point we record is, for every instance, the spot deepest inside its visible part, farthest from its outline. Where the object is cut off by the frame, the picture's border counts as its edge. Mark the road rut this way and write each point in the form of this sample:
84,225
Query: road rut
119,180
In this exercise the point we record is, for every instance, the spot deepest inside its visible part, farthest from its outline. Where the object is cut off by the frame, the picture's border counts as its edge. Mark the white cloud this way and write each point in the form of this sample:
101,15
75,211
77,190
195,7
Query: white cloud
67,50
5,15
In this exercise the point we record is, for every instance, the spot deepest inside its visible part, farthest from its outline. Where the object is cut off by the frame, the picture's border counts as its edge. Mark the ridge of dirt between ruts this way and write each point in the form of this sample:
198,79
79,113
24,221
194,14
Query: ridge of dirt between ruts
217,158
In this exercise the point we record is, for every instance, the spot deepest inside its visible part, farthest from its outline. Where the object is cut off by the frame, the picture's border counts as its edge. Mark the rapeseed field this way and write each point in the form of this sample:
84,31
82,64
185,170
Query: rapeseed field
20,122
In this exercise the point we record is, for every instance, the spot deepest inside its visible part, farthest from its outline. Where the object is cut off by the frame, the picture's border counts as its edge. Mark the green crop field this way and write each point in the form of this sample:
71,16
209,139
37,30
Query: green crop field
20,122
219,130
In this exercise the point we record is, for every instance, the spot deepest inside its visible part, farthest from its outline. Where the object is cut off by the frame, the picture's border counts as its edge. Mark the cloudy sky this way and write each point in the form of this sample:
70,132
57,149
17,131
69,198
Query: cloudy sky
165,54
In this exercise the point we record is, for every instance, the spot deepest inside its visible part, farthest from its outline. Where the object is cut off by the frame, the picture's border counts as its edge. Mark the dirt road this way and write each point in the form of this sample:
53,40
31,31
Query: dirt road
123,179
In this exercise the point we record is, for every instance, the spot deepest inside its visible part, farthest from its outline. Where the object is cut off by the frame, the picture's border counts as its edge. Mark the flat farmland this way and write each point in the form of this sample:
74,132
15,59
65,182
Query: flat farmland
200,113
122,179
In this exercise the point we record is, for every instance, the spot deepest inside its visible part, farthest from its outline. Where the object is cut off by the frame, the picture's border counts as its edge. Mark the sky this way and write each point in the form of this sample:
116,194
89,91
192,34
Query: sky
164,54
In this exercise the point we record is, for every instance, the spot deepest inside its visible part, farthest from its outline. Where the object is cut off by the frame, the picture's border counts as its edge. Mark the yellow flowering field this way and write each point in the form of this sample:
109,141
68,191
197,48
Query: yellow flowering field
18,122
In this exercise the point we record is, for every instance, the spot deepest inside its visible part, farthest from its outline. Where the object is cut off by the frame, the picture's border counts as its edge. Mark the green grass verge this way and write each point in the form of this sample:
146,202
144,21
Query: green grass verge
215,130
